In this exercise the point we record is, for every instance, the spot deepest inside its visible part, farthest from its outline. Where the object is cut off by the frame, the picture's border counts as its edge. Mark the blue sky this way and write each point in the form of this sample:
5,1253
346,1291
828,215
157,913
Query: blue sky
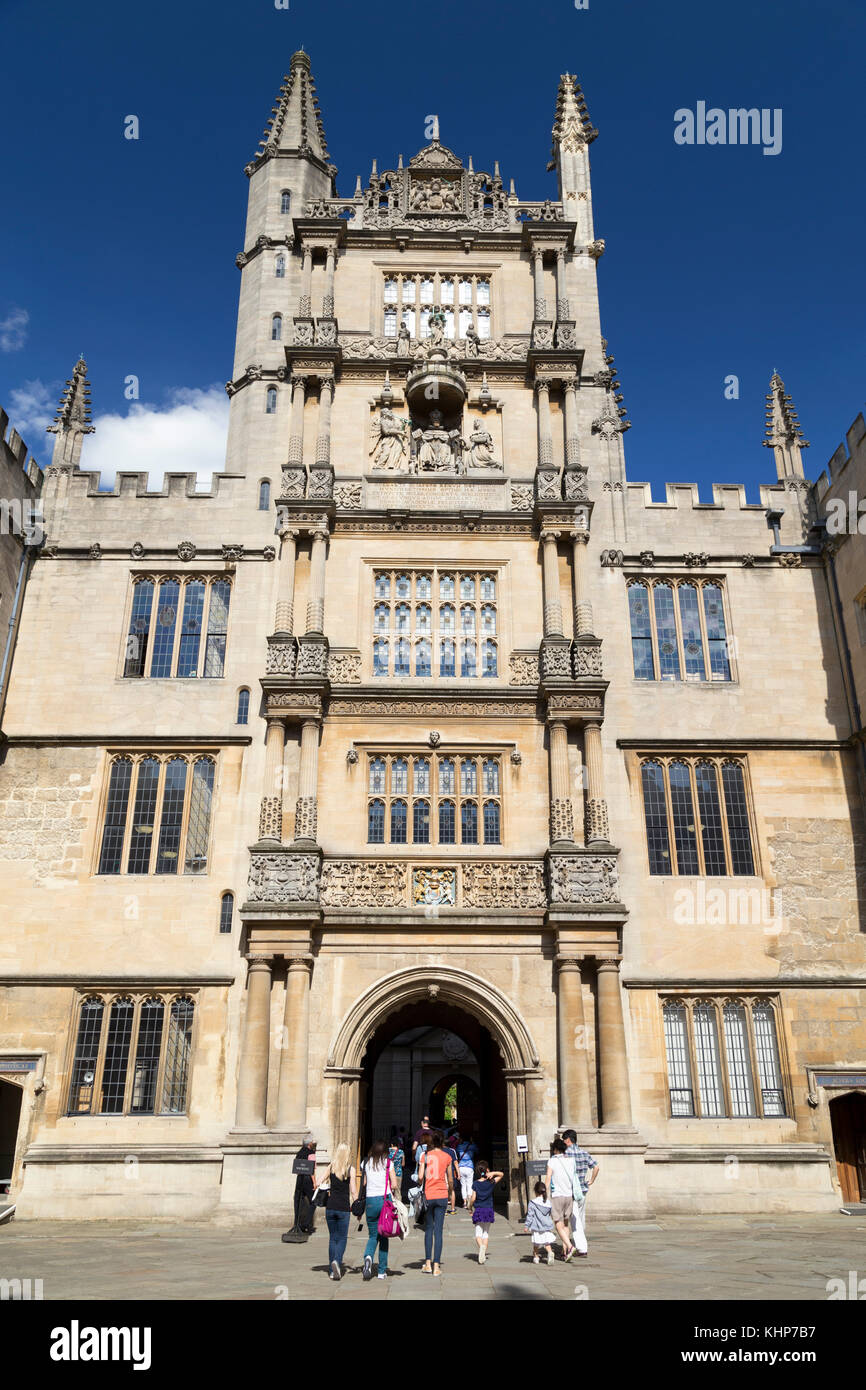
720,260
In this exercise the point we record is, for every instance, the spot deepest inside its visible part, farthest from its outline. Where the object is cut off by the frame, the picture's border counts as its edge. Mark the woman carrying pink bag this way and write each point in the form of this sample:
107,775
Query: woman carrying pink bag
381,1184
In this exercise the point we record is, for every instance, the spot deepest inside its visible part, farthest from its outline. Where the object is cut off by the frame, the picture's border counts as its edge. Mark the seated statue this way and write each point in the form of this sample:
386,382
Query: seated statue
481,448
435,446
388,442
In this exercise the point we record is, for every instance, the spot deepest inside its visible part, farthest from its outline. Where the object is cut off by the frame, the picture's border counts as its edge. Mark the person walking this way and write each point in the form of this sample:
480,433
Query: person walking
395,1153
420,1148
480,1203
435,1177
586,1170
467,1155
449,1148
560,1184
343,1189
305,1188
539,1223
380,1178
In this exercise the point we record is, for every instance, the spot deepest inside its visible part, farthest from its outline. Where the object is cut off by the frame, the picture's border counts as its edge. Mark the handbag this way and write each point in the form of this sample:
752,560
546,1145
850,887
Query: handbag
389,1222
359,1206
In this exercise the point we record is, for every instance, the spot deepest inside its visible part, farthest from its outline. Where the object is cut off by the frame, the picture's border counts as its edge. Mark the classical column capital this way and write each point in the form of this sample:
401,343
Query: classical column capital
259,963
547,535
608,963
568,962
287,533
541,386
579,537
296,964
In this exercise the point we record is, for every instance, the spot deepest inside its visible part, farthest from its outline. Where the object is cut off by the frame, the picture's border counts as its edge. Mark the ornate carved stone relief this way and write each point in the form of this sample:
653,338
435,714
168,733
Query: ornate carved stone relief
583,879
283,878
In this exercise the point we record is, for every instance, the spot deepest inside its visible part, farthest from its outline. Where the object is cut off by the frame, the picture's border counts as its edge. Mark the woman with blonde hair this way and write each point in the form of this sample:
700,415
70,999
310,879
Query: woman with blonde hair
343,1189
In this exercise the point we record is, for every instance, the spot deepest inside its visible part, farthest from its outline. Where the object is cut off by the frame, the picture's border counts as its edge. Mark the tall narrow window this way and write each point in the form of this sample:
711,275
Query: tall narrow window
641,632
276,328
116,1061
114,831
147,1050
173,797
190,628
655,812
399,824
739,1061
707,1056
86,1057
491,823
399,776
285,201
271,401
200,799
264,495
377,775
467,658
421,822
421,776
217,628
767,1057
666,632
469,823
227,912
166,621
423,657
243,713
376,822
175,1081
280,267
143,816
447,828
679,1066
738,819
717,639
711,818
402,656
380,656
139,628
685,838
446,657
489,658
690,622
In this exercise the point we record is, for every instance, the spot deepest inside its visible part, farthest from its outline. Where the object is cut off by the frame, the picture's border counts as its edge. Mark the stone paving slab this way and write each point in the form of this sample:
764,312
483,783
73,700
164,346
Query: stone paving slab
677,1258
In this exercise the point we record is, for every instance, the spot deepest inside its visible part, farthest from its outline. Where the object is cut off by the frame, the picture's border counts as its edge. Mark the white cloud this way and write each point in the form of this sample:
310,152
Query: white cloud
13,330
186,435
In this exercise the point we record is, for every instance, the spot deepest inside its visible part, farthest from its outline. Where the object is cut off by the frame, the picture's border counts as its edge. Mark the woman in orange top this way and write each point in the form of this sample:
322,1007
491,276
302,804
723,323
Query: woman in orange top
436,1180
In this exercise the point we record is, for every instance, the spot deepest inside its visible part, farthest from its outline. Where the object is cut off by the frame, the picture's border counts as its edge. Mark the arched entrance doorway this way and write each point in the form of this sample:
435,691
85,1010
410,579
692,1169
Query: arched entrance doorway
455,1002
10,1115
848,1118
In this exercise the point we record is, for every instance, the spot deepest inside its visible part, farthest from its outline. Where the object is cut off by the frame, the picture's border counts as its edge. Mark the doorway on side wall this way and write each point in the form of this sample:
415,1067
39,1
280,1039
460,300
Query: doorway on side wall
10,1116
848,1118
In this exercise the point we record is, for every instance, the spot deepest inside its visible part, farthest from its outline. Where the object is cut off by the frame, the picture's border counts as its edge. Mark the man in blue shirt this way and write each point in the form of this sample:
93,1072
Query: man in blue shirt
586,1169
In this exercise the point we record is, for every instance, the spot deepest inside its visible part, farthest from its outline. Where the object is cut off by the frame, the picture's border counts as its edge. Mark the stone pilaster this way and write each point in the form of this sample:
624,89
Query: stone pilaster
538,278
561,293
561,812
328,298
305,307
271,812
572,440
252,1099
285,616
550,576
575,1105
612,1057
323,437
597,827
583,620
295,1049
545,431
316,601
296,424
306,811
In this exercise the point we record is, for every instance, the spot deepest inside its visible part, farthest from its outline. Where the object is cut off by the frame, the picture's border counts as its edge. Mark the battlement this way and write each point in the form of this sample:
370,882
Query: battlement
726,497
83,484
14,453
855,438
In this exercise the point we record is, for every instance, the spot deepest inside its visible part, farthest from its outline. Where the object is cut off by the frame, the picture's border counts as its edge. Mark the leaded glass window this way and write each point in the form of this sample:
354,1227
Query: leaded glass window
731,1047
168,617
116,1060
398,823
426,797
147,1051
641,632
681,805
737,815
132,1055
157,814
655,813
86,1057
709,1065
678,629
666,629
739,1061
684,818
243,711
412,637
679,1062
177,1057
418,293
227,912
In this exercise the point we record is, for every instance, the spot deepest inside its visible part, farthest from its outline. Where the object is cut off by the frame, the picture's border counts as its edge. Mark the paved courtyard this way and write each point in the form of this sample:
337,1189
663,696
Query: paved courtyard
718,1258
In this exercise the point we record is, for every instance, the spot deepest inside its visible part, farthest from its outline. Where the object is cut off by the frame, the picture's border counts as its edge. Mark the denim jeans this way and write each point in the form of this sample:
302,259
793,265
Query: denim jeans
374,1207
433,1228
338,1234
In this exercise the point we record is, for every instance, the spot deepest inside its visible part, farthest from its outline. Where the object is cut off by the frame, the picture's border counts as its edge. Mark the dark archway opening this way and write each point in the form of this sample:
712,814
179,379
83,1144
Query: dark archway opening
10,1115
412,1062
848,1118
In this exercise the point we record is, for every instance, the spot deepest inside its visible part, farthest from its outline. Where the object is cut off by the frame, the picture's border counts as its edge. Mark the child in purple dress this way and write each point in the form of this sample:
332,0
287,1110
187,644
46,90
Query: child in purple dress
481,1205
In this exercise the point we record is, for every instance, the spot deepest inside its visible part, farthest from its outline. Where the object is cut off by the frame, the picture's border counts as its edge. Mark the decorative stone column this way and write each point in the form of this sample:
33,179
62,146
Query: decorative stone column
295,1050
285,617
550,577
597,828
612,1058
252,1099
572,441
575,1105
561,813
538,277
328,297
583,622
545,431
271,812
561,297
296,424
306,811
323,438
305,308
316,600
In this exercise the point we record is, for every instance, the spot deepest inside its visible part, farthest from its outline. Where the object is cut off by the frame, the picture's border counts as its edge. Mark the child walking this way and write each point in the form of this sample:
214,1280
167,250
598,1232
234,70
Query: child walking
539,1222
481,1205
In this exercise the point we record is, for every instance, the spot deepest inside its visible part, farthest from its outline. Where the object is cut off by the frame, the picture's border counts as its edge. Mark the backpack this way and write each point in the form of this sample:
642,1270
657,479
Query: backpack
389,1221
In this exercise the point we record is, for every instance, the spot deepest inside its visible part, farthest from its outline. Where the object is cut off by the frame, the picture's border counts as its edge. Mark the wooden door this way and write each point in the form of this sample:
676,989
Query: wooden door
848,1118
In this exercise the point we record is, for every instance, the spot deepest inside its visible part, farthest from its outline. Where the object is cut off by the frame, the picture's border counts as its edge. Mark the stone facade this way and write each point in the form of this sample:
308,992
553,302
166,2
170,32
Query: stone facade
422,838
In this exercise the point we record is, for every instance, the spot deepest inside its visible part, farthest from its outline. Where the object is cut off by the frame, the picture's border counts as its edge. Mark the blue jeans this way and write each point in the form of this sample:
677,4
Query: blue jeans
374,1207
338,1233
433,1228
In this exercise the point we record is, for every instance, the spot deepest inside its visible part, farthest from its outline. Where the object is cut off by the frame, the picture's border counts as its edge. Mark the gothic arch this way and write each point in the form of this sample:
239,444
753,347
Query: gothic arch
450,985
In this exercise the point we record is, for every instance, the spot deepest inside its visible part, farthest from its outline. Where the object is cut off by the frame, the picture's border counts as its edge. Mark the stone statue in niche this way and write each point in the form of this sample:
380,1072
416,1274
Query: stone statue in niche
473,341
435,196
480,446
403,338
437,329
436,446
389,447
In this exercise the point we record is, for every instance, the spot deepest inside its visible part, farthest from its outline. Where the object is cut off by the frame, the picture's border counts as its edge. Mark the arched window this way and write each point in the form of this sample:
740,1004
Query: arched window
666,632
447,657
468,777
227,911
399,776
467,657
401,622
739,1060
690,624
641,632
679,1063
655,812
276,328
139,627
280,267
86,1057
398,823
421,822
177,1057
380,656
376,822
422,617
767,1057
446,776
683,813
401,657
166,619
174,794
115,816
738,819
377,775
150,1024
490,770
271,401
421,776
712,835
381,617
423,658
382,586
469,823
116,1062
446,617
491,823
243,706
200,799
488,657
447,827
264,495
285,201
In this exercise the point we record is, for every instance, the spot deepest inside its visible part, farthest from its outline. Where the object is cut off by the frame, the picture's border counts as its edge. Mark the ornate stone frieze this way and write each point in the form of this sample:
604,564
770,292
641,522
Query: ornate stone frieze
524,668
566,336
284,878
312,659
306,818
347,495
344,668
596,821
486,349
555,659
271,818
488,709
514,883
295,700
521,497
233,553
326,332
564,704
574,484
364,883
583,878
320,487
561,819
294,481
694,558
434,886
281,658
547,485
542,336
586,659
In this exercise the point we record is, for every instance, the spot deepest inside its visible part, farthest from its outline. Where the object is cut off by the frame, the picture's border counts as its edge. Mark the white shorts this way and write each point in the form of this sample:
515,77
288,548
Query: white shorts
544,1237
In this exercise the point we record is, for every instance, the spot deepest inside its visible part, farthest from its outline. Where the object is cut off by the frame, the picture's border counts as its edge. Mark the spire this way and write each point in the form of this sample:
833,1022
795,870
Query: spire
783,432
296,124
72,420
572,127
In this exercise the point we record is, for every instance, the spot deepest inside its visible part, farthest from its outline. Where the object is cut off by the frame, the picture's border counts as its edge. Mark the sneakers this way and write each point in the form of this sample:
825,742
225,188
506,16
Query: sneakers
336,1272
482,1255
549,1255
568,1256
383,1274
368,1267
535,1260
